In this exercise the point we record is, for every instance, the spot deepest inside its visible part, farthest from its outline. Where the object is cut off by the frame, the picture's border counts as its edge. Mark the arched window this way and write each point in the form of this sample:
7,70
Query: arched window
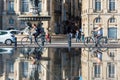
112,20
98,20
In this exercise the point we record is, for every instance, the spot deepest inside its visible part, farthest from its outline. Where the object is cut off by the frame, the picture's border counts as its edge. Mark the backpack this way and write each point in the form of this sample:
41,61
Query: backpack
38,30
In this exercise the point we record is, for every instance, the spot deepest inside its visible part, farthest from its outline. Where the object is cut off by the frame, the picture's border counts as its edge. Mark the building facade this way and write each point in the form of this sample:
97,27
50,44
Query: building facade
12,9
16,67
1,9
104,13
58,64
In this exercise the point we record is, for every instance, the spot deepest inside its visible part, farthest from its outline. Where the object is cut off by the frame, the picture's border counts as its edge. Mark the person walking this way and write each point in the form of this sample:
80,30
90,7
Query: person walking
82,37
37,30
48,37
77,35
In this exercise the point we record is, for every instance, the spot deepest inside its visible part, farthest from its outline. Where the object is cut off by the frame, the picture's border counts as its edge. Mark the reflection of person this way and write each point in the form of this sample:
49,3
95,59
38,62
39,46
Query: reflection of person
98,56
33,60
34,68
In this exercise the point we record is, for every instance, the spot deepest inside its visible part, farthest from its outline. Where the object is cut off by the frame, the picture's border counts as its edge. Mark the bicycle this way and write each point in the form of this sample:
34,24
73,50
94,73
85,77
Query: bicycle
30,39
92,42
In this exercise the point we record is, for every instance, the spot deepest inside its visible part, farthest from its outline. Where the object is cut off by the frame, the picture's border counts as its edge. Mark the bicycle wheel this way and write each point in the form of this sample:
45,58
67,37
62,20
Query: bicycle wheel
39,40
26,41
89,42
102,42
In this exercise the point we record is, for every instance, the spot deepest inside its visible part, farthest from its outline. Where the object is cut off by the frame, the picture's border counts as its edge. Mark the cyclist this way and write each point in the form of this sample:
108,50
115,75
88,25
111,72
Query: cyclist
35,31
98,33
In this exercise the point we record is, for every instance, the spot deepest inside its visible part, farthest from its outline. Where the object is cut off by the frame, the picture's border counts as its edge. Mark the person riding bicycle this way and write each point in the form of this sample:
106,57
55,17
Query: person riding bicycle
98,32
35,31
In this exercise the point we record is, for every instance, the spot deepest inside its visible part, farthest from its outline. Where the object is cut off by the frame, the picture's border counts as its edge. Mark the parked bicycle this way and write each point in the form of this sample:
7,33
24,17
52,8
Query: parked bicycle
92,42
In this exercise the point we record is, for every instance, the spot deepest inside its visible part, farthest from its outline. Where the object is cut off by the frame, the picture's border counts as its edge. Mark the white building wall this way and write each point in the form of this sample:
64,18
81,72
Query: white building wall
88,17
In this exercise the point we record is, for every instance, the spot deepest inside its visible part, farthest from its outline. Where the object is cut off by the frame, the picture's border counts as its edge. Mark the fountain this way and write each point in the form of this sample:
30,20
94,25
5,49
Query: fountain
34,13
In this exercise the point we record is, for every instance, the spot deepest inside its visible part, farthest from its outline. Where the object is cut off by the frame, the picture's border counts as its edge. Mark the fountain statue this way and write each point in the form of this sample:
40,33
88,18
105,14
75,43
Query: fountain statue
34,13
34,8
34,3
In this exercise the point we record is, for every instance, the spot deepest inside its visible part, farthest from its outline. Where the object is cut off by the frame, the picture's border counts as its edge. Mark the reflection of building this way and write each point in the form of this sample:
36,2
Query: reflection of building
14,66
105,13
7,63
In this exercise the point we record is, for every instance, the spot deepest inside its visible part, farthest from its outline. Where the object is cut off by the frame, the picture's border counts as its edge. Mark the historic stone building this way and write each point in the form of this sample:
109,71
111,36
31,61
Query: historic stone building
57,64
12,9
1,9
15,66
104,13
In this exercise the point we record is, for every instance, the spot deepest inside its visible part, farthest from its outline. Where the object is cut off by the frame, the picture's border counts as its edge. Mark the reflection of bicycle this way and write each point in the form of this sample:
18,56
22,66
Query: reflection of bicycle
92,42
29,39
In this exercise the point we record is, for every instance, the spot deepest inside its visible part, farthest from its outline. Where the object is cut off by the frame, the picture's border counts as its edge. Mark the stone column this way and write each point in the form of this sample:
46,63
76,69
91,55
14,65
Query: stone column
17,70
105,6
91,6
44,70
44,7
17,8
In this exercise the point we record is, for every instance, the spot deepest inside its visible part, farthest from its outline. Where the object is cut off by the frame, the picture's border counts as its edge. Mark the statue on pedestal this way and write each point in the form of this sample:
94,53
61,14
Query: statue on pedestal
34,8
34,3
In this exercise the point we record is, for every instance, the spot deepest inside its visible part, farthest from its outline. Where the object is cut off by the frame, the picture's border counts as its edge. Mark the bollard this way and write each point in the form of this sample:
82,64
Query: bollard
15,44
50,39
69,41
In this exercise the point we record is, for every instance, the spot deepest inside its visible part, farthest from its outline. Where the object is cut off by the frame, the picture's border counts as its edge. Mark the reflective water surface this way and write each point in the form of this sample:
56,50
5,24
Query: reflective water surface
19,64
